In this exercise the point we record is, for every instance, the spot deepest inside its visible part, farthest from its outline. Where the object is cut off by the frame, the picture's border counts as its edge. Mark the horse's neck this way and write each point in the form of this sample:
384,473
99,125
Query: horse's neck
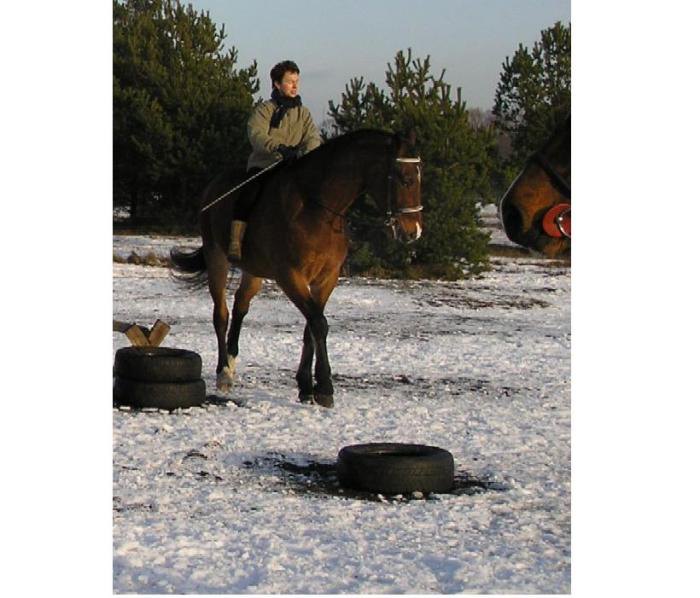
559,151
349,175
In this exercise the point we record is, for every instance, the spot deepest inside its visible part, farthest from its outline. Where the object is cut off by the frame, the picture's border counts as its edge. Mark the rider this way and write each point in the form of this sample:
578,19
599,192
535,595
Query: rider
279,129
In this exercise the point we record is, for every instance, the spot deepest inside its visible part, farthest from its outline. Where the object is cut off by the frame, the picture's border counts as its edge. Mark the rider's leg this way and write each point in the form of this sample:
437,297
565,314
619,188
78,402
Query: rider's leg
241,210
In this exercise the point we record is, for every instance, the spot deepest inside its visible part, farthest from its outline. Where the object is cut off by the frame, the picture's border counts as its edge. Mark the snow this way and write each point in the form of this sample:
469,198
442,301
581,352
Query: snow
210,500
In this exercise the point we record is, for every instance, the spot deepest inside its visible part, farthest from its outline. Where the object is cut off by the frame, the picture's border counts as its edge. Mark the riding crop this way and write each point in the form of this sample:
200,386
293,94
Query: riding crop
256,175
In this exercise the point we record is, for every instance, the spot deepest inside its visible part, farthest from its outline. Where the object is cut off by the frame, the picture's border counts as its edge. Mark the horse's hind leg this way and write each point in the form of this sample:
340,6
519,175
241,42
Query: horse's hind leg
217,267
247,289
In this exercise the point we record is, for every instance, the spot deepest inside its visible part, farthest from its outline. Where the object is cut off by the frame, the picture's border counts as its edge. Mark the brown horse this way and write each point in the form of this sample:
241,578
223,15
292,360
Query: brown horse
536,209
296,237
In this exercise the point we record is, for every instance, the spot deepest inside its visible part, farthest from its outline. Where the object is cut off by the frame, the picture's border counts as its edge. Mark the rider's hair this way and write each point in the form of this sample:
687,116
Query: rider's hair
278,71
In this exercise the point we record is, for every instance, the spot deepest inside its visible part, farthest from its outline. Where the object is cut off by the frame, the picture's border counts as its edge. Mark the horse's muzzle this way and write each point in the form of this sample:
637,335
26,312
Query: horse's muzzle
399,232
414,235
549,234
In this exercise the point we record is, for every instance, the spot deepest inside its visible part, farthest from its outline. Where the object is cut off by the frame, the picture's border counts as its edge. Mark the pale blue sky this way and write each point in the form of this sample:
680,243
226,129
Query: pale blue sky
335,40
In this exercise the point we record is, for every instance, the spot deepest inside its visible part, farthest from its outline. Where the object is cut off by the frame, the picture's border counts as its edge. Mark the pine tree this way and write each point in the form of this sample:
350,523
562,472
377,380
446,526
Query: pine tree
534,93
458,160
179,107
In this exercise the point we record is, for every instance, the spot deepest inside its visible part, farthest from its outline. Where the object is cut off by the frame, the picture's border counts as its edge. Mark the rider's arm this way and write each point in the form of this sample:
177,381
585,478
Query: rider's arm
258,129
311,138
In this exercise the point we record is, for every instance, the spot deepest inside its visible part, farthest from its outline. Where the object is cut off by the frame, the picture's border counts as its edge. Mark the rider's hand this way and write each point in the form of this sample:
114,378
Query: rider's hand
288,152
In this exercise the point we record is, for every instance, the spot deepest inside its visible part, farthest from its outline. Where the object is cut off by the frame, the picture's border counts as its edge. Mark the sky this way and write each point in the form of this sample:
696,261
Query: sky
333,41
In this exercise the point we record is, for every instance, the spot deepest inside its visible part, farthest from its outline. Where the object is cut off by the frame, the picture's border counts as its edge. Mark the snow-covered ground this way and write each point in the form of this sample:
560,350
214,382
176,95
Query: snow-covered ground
240,497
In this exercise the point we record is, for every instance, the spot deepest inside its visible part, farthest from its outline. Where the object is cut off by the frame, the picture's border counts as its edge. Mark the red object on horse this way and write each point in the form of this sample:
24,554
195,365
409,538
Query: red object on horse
557,221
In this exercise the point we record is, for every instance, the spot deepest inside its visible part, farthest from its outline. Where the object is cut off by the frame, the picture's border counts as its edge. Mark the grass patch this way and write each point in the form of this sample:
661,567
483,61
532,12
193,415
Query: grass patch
149,259
155,228
412,272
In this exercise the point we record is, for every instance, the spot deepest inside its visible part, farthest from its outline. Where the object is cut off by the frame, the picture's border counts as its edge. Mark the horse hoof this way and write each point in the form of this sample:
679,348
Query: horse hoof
324,400
306,399
224,386
224,380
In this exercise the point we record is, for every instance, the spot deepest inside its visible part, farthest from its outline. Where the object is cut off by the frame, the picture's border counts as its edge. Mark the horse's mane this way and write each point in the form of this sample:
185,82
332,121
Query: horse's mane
330,147
560,139
230,176
335,144
353,136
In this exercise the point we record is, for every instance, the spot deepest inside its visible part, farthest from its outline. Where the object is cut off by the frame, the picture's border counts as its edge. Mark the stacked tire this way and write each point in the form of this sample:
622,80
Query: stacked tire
158,377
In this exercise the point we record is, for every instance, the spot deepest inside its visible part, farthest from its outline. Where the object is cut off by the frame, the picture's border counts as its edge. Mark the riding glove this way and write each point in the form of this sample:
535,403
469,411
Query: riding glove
288,152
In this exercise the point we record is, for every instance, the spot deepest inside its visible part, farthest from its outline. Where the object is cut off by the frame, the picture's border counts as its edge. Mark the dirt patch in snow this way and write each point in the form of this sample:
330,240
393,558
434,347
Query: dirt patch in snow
320,479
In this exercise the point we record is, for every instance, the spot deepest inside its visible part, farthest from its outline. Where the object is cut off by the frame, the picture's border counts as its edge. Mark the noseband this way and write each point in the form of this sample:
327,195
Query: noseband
557,220
393,214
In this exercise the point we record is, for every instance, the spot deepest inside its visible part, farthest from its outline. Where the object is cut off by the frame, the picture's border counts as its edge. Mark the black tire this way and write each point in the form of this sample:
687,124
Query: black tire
157,364
162,395
388,468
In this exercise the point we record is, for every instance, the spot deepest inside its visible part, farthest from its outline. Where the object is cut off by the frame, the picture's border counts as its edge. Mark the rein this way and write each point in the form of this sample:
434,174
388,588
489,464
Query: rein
325,207
340,215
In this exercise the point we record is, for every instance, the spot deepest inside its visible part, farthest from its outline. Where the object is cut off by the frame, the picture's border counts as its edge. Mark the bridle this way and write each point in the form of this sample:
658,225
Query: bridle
392,214
558,180
557,220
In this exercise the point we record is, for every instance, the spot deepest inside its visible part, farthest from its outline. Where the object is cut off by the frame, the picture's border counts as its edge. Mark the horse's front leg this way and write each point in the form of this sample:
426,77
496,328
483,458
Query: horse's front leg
323,389
320,291
311,304
304,377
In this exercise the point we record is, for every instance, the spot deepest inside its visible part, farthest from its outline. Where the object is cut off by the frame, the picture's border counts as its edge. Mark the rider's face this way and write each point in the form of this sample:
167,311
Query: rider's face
289,86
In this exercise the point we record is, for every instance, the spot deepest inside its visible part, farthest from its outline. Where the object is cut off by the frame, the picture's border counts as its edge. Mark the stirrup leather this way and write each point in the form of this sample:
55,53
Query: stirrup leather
237,231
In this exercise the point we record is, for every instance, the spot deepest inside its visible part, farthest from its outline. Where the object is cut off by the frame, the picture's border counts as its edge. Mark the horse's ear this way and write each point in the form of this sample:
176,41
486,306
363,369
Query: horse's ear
410,136
407,137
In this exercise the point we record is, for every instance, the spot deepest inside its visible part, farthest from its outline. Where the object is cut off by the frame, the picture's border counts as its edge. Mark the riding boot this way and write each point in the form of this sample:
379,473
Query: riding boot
234,247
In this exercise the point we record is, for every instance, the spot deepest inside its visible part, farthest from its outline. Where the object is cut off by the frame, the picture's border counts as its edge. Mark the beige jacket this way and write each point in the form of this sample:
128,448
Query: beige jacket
296,128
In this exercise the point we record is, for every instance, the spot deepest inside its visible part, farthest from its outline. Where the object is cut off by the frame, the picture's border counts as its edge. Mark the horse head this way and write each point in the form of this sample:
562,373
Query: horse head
403,206
536,209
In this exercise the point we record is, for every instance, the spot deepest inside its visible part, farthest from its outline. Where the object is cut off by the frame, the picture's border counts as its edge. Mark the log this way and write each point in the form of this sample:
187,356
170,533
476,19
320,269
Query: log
140,336
136,336
118,326
158,333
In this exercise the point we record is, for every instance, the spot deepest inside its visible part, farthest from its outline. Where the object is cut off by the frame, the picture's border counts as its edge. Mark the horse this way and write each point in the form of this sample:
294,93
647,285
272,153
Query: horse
536,209
296,236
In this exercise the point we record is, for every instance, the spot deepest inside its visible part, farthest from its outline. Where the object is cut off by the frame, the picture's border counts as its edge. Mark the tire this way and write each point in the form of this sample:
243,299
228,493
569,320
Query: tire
388,468
157,364
162,395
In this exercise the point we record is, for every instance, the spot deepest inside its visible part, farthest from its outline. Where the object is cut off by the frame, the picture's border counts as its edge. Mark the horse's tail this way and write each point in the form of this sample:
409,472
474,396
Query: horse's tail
189,266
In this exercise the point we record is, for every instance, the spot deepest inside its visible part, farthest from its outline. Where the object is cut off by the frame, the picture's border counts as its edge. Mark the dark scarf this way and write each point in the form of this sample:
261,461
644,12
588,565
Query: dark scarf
283,104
